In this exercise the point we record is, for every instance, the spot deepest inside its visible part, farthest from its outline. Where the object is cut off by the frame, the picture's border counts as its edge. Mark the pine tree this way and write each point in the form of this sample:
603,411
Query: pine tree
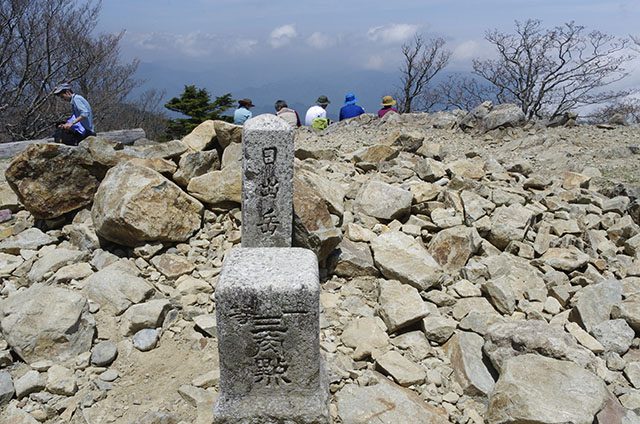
197,105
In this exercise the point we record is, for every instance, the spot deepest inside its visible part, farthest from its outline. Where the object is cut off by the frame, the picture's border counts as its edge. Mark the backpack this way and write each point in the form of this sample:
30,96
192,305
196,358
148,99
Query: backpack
320,123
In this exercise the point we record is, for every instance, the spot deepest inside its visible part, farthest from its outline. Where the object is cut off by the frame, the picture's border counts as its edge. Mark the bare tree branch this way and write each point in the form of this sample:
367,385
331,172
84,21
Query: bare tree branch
463,92
46,42
422,61
548,72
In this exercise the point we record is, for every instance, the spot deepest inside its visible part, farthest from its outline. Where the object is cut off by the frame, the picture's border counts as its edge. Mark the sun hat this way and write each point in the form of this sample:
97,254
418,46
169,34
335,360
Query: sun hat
323,101
350,99
388,101
60,88
245,103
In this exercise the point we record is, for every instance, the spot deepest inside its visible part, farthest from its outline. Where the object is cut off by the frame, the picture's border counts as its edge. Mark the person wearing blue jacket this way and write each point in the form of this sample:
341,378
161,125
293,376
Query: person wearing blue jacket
350,108
80,125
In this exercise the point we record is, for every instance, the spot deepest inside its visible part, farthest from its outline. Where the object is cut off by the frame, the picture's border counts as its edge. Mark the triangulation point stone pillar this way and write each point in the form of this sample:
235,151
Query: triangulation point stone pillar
267,306
267,182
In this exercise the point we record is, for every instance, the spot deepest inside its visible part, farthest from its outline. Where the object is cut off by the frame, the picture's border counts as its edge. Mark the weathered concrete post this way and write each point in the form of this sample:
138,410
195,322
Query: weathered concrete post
268,296
267,306
267,182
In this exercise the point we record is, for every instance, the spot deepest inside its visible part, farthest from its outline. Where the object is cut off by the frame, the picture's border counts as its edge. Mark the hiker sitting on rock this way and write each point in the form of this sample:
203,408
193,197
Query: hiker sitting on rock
387,106
316,116
80,125
289,115
242,113
350,108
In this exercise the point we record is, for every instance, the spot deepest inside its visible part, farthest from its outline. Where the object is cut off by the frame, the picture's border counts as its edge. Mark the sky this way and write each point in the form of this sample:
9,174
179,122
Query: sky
294,50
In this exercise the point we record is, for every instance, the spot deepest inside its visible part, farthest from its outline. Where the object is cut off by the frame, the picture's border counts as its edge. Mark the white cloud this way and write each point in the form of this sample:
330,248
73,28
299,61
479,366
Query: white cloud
375,62
282,35
242,46
193,44
320,41
392,33
466,50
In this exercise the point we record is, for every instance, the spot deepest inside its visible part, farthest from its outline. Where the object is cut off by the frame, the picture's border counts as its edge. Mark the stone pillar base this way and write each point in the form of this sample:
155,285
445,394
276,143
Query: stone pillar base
267,307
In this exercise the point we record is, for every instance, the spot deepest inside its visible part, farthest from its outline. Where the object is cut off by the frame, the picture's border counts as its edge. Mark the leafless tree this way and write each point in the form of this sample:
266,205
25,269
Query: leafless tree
45,42
145,111
422,61
463,92
623,111
550,71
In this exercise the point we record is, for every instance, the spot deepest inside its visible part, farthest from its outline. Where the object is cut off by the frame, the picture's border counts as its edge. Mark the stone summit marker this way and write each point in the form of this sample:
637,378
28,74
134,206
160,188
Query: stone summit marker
268,298
267,182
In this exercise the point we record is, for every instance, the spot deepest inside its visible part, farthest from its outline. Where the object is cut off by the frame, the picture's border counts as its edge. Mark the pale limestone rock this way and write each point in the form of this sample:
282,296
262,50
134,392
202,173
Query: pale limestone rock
365,334
221,189
565,259
615,335
404,372
401,257
508,339
400,305
35,330
201,137
144,315
465,353
383,201
584,338
354,259
452,247
385,402
117,288
438,329
61,381
172,265
594,303
135,204
533,388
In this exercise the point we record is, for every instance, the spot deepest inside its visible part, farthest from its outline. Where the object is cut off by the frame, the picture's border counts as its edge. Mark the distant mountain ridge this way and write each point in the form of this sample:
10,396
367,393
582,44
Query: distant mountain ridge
300,92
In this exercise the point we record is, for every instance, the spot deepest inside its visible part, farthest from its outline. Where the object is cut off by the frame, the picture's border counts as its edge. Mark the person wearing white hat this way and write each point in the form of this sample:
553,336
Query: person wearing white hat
80,125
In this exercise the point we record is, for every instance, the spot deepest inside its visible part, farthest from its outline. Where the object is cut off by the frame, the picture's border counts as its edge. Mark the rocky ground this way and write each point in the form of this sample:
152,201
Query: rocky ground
485,275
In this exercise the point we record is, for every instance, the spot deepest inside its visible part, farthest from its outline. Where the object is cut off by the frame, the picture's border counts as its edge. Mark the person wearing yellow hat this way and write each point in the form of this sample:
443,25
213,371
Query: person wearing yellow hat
387,106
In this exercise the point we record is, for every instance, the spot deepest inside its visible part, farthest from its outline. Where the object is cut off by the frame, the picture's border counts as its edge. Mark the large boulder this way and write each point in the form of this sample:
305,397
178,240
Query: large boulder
220,189
194,164
383,201
45,322
109,154
201,137
353,260
227,133
116,287
535,389
31,239
313,227
595,302
470,371
509,223
505,115
52,179
205,135
135,204
330,192
508,339
385,402
452,247
401,257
